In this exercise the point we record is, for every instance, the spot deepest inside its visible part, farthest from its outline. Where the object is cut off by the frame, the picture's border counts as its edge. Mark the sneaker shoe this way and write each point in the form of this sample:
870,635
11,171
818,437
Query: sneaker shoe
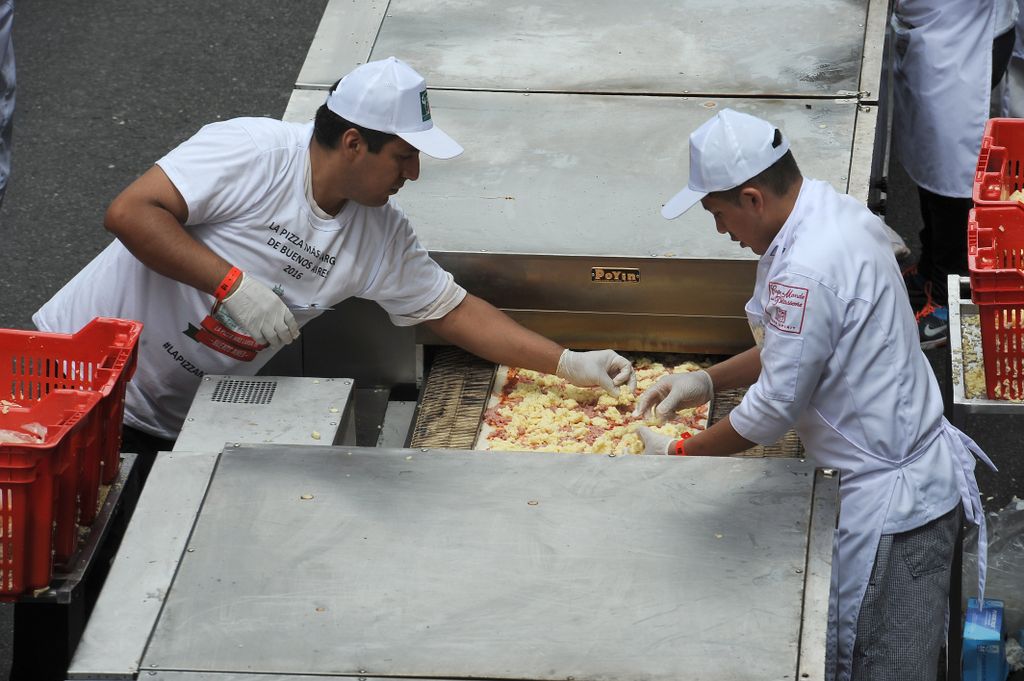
932,325
918,288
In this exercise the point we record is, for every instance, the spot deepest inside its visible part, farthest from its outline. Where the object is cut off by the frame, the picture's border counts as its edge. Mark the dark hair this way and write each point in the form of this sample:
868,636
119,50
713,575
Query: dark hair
776,178
328,127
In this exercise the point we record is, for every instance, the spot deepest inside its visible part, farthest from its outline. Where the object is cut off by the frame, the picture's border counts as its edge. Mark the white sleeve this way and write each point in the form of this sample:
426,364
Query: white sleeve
220,172
408,283
802,319
450,297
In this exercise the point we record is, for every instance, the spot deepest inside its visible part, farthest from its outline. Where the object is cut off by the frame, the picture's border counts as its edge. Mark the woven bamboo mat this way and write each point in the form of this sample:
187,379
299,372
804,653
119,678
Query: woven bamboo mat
453,401
788,446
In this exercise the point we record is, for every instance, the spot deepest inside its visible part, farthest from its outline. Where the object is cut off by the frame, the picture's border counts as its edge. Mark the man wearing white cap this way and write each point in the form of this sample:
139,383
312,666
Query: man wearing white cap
836,356
253,227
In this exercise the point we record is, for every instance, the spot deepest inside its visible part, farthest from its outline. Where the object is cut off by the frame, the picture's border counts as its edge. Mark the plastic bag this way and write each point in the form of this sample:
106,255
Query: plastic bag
1014,655
31,433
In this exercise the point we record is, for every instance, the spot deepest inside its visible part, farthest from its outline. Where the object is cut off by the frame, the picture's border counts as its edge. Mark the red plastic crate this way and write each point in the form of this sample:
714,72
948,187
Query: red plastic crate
38,487
995,255
76,490
1000,169
101,358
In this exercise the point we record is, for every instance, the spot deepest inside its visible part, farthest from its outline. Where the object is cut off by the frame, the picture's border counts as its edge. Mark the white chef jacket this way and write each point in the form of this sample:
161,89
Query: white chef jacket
841,361
942,72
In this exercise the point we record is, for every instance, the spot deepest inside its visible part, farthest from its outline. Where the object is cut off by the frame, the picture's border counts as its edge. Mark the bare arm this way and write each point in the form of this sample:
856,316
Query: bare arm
479,327
720,439
739,371
147,217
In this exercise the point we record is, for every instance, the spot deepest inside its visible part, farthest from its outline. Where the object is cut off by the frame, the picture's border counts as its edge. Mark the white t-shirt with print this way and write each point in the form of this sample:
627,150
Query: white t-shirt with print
244,183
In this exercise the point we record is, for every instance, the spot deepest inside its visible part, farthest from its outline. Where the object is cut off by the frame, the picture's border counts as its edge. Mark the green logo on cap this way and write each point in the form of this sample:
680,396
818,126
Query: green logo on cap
424,106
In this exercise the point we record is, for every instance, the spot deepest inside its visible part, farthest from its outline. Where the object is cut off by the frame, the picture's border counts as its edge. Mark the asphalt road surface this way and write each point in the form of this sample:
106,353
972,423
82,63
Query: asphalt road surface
104,89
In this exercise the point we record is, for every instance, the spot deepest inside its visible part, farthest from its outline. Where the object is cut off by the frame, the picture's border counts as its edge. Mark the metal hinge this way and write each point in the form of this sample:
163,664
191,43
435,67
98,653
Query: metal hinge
859,94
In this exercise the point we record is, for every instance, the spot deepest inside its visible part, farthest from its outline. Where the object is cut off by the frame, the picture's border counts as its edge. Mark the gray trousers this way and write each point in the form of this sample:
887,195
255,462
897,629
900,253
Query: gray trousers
902,622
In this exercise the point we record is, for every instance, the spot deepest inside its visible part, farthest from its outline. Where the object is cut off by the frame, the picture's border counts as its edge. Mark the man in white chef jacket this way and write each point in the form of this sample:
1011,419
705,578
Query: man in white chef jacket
837,357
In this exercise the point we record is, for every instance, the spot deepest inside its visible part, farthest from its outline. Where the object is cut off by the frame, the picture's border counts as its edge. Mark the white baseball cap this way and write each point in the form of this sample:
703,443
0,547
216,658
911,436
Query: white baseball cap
725,152
389,96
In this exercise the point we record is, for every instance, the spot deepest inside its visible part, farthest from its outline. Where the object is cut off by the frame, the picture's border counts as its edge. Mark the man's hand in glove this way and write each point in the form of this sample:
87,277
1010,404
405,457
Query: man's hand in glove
674,392
261,312
655,442
605,368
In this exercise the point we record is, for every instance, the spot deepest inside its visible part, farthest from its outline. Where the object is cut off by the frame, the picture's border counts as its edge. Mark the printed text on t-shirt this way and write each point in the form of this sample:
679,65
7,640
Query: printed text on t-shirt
180,359
786,305
305,255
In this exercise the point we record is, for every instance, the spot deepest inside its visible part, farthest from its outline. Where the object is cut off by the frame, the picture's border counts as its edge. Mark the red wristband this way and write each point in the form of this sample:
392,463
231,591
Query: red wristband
229,280
680,450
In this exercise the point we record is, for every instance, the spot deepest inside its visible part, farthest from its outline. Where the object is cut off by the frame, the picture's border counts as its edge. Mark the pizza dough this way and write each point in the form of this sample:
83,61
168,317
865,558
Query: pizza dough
531,411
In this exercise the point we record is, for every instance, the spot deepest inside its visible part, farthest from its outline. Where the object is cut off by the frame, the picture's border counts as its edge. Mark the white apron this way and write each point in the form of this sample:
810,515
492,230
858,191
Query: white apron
865,495
942,72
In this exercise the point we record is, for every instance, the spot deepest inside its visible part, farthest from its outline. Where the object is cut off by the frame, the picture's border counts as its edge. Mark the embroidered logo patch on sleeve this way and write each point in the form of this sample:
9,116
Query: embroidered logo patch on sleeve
786,305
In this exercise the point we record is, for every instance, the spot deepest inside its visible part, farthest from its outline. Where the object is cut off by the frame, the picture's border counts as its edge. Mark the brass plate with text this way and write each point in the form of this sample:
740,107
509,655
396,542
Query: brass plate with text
615,275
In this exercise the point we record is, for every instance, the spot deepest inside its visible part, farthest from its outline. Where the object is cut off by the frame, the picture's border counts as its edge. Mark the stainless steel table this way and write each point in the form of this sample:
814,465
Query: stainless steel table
731,47
301,562
268,409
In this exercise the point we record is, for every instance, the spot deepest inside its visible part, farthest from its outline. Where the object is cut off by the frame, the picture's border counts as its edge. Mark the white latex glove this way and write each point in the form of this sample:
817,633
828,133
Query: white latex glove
655,442
261,312
674,392
605,368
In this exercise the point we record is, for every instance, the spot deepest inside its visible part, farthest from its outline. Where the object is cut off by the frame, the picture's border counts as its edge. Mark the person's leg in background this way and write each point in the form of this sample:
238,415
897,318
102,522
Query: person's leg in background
943,252
944,236
6,91
1002,50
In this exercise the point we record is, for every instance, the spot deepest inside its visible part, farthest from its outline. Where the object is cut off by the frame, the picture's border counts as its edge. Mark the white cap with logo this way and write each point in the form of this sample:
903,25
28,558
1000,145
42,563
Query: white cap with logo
389,96
725,152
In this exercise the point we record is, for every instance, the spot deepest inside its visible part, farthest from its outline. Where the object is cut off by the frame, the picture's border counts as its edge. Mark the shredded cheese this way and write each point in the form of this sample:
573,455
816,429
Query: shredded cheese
541,412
